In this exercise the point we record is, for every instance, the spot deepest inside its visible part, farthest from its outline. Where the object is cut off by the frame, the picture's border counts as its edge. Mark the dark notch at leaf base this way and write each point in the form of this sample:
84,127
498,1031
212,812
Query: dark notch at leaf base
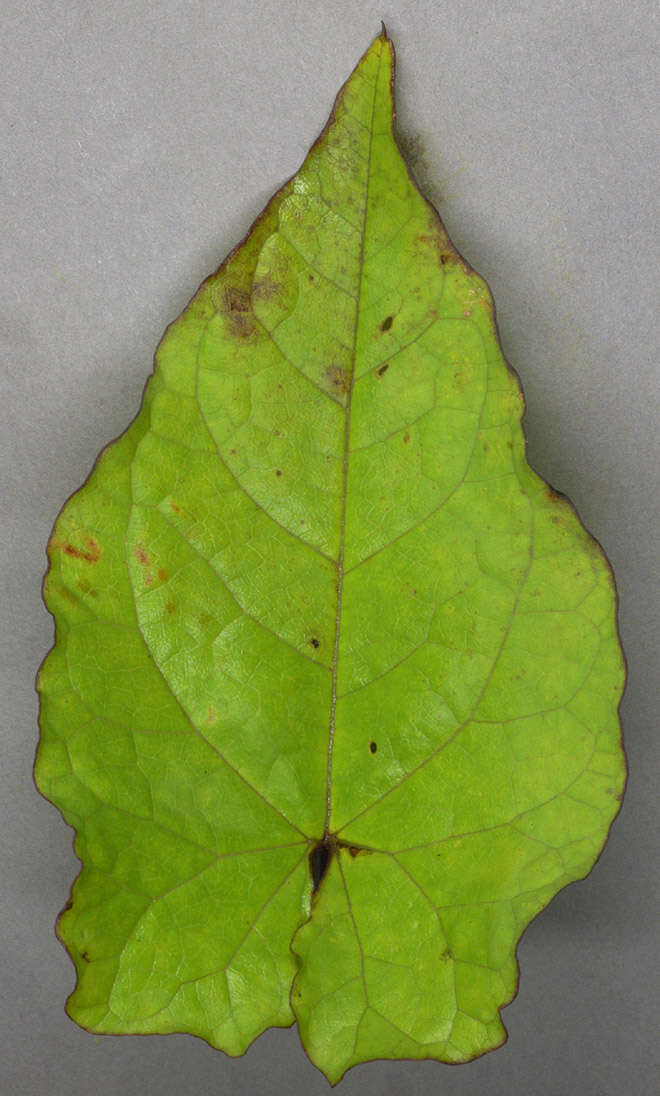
322,853
319,859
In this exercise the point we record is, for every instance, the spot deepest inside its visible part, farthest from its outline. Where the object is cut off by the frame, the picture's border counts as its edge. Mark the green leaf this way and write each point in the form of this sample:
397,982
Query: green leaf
333,700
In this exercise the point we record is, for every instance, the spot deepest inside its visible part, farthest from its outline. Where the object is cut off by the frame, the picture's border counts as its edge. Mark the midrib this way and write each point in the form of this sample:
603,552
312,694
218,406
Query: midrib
347,437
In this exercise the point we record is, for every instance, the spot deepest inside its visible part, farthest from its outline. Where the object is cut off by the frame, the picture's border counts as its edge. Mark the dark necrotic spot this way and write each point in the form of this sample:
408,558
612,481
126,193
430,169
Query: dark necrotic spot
373,747
387,323
315,642
238,310
319,858
382,369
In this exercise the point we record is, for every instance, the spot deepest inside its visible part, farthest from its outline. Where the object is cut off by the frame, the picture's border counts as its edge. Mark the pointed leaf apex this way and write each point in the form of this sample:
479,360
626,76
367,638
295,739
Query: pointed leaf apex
376,48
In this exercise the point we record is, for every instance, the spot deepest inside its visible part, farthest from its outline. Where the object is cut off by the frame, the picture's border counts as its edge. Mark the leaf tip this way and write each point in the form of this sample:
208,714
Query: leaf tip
381,39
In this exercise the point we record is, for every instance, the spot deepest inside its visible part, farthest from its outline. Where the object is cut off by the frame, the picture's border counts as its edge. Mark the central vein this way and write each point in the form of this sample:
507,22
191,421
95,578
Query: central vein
347,442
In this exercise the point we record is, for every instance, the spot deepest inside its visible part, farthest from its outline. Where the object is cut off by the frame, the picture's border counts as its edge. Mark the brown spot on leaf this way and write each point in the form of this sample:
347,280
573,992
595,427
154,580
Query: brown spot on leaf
382,369
91,554
387,323
316,643
142,556
406,438
175,506
171,606
278,471
353,850
238,311
236,300
373,746
339,378
446,253
85,956
162,574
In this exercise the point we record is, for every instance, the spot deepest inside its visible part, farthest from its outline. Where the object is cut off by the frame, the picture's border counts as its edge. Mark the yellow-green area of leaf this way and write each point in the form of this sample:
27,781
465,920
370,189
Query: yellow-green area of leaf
333,701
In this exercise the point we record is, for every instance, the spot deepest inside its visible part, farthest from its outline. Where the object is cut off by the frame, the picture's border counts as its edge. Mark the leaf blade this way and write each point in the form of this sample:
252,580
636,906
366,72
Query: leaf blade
317,594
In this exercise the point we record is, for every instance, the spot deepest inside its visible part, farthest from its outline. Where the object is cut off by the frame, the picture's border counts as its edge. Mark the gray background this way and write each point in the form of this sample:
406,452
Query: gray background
141,140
